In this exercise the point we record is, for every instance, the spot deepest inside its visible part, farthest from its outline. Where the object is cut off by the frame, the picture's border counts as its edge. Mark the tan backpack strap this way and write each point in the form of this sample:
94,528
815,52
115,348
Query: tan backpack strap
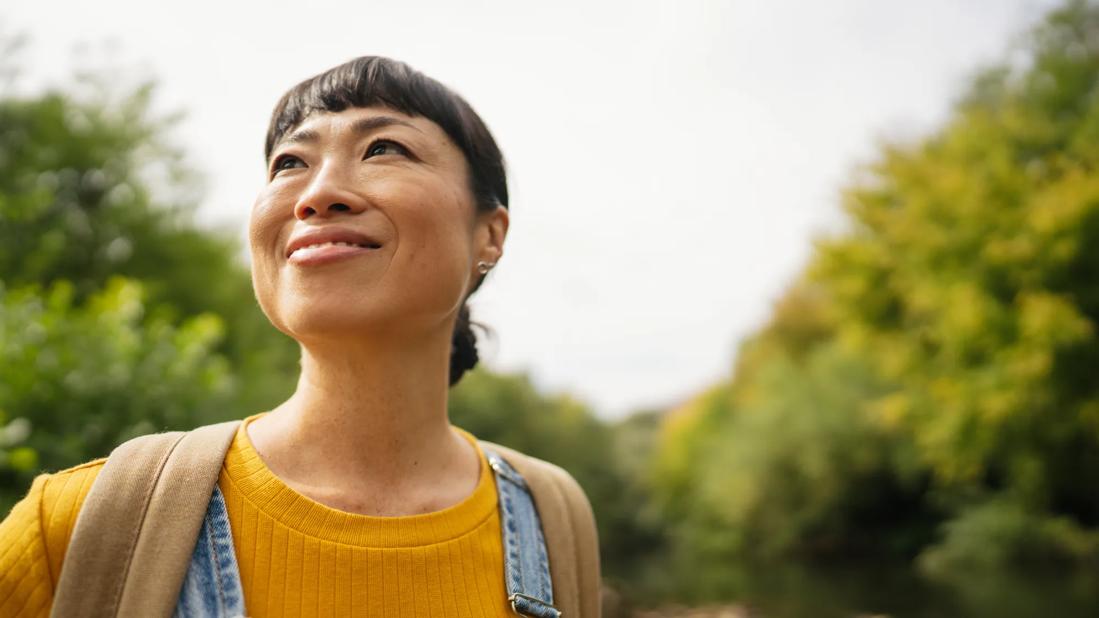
569,529
136,531
107,527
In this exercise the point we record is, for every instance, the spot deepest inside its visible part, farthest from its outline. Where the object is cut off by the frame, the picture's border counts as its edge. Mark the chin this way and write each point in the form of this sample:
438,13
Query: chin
345,323
331,319
331,313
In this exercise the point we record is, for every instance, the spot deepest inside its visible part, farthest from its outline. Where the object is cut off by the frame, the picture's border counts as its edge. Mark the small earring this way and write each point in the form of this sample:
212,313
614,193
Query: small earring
483,267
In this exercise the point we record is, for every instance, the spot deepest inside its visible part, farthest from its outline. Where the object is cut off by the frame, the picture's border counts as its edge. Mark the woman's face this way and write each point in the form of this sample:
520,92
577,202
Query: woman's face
367,224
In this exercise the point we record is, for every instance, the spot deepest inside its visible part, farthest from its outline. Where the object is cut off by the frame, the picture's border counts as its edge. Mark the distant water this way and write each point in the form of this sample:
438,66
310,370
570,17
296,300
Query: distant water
857,590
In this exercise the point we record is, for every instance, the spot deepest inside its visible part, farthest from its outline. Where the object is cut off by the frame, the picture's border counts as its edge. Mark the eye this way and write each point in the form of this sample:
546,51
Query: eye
384,147
285,162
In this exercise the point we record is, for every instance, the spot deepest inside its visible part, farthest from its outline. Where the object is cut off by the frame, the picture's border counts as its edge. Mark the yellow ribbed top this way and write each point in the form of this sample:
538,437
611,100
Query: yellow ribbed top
297,557
300,558
34,536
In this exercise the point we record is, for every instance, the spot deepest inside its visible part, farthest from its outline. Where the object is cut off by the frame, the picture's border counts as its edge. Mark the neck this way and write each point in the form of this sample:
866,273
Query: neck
367,416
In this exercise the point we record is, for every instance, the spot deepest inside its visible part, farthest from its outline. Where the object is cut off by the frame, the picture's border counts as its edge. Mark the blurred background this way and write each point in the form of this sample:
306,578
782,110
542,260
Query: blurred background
805,295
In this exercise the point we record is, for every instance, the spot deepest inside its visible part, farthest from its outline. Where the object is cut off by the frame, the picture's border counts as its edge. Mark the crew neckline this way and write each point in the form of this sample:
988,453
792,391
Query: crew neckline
246,471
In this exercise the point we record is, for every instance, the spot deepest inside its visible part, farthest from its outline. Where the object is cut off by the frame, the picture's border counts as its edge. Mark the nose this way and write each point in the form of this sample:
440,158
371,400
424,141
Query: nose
328,194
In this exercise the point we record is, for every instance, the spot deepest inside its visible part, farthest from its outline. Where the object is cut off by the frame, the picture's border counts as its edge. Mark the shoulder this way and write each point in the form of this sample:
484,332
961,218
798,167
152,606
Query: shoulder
36,534
63,492
54,499
63,495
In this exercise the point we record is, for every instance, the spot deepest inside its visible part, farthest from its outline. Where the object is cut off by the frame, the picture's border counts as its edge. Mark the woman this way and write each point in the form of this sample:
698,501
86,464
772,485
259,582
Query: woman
384,208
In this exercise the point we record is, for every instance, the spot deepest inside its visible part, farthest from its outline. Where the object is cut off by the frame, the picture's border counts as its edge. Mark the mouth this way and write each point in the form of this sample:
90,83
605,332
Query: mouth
328,252
324,245
333,243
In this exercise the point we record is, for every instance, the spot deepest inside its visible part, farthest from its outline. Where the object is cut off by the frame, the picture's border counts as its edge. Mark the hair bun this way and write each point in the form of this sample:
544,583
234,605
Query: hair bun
463,348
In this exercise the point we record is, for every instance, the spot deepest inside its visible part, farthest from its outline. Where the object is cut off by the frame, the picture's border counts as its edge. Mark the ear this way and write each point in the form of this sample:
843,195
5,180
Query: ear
492,229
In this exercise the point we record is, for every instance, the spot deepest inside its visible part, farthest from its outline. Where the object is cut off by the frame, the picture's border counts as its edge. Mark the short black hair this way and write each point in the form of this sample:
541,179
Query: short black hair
375,80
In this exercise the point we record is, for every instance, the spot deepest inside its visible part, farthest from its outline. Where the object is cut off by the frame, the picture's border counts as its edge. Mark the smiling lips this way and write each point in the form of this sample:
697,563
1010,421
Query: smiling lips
326,245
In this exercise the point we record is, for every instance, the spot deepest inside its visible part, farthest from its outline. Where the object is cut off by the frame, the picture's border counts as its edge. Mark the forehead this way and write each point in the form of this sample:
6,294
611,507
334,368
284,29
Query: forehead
357,122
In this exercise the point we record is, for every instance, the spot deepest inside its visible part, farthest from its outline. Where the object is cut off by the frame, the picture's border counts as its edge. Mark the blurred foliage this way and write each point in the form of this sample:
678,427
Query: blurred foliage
120,315
79,379
91,187
929,387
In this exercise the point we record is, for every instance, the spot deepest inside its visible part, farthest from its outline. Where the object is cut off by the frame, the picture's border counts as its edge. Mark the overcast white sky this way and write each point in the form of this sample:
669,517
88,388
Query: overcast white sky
670,162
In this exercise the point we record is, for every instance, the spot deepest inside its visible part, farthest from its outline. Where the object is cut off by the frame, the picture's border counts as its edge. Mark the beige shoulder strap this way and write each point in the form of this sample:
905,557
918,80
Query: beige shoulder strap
569,527
134,535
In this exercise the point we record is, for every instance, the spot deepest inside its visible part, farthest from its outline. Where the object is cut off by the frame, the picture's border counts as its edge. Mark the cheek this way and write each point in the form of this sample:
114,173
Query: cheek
436,240
267,219
263,239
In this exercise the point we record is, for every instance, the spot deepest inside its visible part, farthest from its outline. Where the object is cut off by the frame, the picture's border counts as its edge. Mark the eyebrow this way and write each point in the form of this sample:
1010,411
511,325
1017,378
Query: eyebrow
360,127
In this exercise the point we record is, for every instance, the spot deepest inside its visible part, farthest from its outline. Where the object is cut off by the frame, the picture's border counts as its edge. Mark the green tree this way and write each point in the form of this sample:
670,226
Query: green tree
91,187
929,385
970,278
120,314
78,379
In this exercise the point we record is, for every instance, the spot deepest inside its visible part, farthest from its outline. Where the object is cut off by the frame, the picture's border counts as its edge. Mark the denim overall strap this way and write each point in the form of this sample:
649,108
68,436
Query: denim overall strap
212,586
526,563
